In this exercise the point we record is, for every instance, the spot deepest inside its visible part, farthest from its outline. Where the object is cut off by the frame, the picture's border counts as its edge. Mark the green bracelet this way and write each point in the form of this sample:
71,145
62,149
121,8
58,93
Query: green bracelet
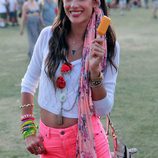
29,132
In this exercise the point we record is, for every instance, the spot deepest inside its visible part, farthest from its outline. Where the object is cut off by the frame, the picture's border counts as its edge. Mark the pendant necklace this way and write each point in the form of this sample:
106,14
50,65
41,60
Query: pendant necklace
62,96
61,89
74,51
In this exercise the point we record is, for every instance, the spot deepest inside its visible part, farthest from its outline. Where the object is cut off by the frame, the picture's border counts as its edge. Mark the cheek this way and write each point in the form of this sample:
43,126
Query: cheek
66,8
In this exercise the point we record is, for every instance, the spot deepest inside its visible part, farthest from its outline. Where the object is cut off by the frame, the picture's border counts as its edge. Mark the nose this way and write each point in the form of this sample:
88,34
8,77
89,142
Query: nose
74,3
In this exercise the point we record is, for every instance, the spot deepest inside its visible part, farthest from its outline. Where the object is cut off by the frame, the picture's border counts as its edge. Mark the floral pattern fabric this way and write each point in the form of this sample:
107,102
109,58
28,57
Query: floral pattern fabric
85,138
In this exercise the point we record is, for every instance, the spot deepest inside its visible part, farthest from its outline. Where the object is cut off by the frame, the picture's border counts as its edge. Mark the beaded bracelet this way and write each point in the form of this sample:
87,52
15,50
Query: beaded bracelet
27,116
26,105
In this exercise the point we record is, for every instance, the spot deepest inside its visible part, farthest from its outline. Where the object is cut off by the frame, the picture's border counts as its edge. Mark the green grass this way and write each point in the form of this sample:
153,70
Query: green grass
135,111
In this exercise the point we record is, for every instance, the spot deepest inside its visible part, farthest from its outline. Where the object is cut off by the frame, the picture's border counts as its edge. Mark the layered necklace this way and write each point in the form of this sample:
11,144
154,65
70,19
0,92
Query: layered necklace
61,92
66,68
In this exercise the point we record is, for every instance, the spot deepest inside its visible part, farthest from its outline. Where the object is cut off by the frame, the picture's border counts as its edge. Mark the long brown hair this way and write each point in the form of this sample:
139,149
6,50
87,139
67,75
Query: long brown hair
58,45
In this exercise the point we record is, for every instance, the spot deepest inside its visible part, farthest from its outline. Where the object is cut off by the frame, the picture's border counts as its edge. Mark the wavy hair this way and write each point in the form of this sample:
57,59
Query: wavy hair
58,45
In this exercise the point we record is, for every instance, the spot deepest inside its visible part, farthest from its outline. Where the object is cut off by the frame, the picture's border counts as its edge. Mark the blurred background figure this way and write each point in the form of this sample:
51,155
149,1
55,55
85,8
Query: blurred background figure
155,8
19,8
108,3
48,11
3,13
136,3
32,19
146,4
13,5
122,5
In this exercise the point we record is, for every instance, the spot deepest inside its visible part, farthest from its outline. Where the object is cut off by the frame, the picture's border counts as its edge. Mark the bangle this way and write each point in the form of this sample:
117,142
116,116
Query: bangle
26,123
26,105
94,84
28,128
97,82
29,133
99,78
27,116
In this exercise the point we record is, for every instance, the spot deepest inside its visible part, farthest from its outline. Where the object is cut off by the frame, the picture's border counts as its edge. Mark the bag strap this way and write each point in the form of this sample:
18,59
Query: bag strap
109,126
128,152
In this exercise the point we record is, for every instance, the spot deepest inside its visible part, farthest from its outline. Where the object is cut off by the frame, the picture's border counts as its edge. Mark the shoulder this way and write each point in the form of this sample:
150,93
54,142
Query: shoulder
117,47
117,53
46,32
44,36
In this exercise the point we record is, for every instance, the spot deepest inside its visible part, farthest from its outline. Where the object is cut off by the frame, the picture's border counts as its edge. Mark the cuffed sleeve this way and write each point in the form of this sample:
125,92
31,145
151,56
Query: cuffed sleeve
104,106
31,78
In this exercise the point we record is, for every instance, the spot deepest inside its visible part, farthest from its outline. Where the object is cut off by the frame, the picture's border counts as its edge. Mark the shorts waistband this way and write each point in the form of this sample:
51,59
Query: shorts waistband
61,131
66,131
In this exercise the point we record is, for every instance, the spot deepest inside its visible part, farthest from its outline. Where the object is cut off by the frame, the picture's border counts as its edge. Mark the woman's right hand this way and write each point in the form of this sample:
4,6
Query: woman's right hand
34,144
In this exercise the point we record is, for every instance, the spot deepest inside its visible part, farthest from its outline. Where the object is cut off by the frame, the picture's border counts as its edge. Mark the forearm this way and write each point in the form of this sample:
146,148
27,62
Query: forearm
98,92
22,25
27,99
28,127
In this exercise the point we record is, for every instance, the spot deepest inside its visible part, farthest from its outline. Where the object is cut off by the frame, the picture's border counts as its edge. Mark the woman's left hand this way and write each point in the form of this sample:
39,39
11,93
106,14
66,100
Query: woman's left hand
96,56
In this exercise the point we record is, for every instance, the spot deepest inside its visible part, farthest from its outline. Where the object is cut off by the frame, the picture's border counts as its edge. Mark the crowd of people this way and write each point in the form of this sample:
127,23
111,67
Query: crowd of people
36,14
11,11
128,4
31,14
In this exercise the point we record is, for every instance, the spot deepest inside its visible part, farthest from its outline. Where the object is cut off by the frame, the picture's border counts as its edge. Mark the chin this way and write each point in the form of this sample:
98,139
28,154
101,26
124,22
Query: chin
77,21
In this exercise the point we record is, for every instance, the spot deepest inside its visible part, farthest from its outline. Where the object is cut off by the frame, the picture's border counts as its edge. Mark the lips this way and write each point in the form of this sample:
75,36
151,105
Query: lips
75,13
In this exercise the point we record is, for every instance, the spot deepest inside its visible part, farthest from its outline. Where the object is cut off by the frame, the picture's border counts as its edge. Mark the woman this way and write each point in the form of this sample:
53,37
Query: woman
31,17
155,8
48,8
77,73
3,13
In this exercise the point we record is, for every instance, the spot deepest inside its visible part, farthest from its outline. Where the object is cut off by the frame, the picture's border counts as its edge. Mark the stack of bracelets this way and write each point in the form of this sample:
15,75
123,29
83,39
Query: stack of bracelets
97,82
28,127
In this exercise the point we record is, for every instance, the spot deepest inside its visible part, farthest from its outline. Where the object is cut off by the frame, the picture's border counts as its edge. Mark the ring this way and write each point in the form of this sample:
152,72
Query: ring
36,149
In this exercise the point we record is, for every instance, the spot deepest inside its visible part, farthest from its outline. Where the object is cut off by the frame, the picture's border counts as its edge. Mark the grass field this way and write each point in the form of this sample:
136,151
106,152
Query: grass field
135,110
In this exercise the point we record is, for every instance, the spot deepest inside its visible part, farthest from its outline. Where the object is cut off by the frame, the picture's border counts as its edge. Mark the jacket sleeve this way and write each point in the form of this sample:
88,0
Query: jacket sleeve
104,106
31,78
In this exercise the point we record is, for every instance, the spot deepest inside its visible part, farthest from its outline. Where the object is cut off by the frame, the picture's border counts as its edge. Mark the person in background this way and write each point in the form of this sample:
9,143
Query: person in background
3,13
13,12
48,11
20,4
146,4
32,19
155,8
108,3
122,5
76,71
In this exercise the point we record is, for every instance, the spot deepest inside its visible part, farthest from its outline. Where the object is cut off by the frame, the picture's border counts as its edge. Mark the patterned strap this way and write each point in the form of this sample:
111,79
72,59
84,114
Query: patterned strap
109,126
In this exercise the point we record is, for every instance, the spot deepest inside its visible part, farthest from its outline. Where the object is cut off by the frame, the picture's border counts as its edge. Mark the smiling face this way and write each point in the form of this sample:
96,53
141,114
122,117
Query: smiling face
79,11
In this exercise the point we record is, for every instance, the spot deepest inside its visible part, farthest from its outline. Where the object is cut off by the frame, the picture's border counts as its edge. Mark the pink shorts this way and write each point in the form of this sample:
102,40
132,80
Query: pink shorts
61,143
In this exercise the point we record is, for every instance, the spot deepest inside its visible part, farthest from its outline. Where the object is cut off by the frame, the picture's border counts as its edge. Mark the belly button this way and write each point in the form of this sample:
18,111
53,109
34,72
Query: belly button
62,132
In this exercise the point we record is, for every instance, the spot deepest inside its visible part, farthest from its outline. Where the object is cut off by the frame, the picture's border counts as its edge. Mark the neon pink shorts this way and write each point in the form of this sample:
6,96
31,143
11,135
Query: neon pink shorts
61,143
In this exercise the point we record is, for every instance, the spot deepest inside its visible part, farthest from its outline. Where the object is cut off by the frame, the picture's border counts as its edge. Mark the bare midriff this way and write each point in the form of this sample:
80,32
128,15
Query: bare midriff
50,120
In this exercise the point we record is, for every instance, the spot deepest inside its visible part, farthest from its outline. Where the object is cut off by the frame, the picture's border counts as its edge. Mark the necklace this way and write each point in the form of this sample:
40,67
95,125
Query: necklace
62,98
74,51
61,91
